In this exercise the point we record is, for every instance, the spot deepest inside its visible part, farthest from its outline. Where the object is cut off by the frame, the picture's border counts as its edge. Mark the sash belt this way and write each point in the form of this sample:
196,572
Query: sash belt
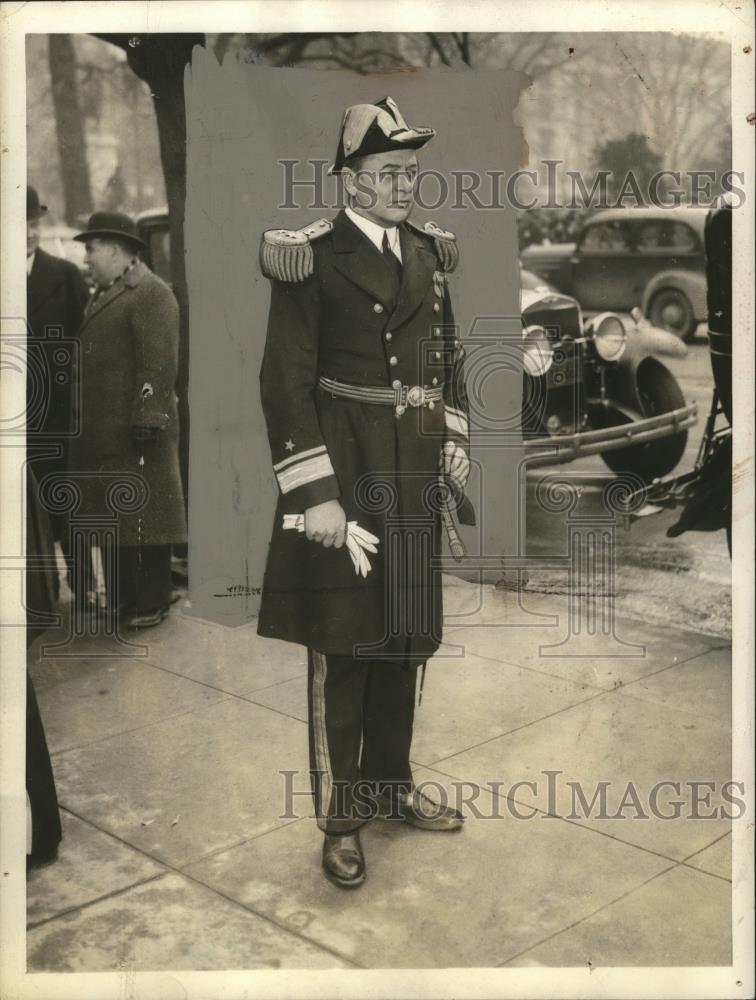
399,396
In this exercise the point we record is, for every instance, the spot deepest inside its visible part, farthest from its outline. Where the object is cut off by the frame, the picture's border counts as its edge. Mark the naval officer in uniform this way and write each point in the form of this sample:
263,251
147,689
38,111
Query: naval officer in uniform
364,399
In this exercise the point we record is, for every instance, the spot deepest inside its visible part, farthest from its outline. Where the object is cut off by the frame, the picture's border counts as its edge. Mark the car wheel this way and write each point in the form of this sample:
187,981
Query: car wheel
659,392
671,310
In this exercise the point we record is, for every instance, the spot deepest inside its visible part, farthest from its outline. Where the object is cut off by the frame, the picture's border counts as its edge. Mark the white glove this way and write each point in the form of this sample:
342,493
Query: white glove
455,464
357,541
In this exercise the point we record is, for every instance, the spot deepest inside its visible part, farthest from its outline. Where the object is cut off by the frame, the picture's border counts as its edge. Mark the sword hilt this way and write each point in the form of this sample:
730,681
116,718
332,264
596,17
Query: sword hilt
456,545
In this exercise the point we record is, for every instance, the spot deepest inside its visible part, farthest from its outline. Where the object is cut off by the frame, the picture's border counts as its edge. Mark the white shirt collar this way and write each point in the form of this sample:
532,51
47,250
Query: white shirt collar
30,262
374,232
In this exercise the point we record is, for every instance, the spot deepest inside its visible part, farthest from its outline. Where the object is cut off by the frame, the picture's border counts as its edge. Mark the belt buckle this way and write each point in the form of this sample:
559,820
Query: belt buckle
416,395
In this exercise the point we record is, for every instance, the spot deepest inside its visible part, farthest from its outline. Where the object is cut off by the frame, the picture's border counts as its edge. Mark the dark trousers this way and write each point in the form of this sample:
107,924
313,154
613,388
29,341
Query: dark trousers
40,783
360,728
137,579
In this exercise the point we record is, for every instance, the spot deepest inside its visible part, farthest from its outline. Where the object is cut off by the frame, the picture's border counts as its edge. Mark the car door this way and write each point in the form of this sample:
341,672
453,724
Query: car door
600,266
664,245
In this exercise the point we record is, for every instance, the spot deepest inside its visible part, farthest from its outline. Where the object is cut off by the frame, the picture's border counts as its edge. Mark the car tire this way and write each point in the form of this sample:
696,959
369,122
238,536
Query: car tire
670,309
659,392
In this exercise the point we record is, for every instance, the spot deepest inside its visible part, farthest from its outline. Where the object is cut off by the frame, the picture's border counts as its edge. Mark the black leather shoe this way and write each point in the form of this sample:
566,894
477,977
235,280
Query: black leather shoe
146,619
343,860
41,858
419,811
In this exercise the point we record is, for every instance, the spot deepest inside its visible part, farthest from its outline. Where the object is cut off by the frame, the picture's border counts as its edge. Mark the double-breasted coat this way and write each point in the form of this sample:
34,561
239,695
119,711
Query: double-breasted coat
126,378
345,321
56,295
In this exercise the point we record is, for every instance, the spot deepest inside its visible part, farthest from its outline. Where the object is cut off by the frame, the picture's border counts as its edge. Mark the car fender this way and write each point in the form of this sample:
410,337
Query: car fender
643,342
688,282
644,339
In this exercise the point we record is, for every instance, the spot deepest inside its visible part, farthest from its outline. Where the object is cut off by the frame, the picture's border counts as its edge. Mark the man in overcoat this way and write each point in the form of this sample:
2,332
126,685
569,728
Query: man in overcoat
364,400
56,295
125,458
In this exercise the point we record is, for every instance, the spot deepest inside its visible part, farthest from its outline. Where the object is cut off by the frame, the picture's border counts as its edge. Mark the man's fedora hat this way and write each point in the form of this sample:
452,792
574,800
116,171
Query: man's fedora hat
108,224
376,128
33,208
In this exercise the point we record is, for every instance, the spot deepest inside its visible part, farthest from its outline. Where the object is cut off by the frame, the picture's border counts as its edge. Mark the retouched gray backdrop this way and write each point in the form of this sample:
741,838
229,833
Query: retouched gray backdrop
242,121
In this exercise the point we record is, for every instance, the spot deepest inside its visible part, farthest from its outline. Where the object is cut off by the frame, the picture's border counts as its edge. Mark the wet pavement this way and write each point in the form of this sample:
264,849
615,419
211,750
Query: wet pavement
181,850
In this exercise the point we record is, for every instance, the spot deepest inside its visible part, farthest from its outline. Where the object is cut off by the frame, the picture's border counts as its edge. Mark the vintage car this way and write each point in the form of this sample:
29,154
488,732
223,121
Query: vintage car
152,227
598,387
625,257
589,388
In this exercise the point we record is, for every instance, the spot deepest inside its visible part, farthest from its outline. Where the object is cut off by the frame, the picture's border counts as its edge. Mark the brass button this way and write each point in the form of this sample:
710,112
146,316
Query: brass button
389,335
437,355
434,380
393,360
436,331
436,307
378,308
400,410
396,384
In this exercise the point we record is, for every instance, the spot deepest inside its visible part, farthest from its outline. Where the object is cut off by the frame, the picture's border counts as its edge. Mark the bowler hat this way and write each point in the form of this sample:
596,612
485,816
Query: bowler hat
33,208
376,128
113,224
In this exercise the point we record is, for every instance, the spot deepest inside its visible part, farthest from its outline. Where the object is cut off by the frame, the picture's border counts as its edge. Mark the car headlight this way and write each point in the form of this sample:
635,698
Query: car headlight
609,336
537,351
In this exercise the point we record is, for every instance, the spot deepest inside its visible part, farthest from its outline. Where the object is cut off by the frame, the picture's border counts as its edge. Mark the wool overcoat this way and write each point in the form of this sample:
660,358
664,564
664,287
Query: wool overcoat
126,378
348,321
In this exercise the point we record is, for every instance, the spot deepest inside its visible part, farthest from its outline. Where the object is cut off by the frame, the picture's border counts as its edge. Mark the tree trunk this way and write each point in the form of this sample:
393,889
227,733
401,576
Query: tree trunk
160,60
168,97
69,128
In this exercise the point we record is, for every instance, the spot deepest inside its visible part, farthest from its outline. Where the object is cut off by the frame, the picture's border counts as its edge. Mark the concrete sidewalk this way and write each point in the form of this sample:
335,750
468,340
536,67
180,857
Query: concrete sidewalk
176,855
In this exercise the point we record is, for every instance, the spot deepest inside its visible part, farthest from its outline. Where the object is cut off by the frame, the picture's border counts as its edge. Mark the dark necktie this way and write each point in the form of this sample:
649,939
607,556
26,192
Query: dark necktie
393,262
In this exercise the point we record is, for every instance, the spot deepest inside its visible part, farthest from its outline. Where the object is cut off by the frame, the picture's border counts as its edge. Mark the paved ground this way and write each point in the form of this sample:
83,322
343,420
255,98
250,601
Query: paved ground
179,854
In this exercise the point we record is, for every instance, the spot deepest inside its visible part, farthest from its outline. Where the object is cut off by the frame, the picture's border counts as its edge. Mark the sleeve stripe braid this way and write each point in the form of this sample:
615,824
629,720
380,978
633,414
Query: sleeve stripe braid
305,472
293,459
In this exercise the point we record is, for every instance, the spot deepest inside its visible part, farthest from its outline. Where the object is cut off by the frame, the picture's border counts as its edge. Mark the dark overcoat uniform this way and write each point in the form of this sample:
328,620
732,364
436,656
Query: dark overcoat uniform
346,321
40,580
126,378
56,295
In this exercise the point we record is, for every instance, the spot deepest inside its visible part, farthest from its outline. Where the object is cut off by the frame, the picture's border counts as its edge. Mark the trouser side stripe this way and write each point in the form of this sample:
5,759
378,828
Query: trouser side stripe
322,756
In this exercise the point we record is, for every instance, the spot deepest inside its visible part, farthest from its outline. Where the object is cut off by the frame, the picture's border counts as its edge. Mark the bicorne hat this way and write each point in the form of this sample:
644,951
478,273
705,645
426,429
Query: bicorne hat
105,224
376,128
34,210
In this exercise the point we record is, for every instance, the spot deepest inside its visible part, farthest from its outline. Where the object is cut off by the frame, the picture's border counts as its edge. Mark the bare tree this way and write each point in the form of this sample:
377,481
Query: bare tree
534,53
69,129
673,88
366,52
682,84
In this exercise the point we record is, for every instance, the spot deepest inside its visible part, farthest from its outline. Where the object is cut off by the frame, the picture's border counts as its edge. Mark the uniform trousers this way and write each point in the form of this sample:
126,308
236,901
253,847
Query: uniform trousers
360,730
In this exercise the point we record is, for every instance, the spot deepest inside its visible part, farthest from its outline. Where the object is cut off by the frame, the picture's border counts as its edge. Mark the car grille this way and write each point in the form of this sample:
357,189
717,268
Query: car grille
560,317
559,394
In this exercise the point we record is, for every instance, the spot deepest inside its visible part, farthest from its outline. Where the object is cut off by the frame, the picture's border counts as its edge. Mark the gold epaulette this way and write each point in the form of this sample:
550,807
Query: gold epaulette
445,242
286,254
